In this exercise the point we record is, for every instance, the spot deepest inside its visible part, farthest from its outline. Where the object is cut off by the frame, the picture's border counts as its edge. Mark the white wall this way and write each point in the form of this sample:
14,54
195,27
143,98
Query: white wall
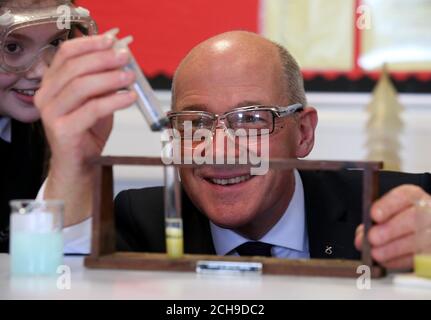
340,135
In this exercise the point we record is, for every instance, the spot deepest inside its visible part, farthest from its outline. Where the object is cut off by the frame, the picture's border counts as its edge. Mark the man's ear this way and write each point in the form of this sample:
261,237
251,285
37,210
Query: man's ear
307,123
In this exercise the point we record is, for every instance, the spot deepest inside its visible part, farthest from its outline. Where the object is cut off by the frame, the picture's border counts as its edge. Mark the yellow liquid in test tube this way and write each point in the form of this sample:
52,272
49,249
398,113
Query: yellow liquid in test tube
174,242
423,265
422,260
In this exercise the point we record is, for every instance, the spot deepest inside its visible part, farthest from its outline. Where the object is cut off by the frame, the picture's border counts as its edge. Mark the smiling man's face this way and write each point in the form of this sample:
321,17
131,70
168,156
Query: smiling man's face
231,70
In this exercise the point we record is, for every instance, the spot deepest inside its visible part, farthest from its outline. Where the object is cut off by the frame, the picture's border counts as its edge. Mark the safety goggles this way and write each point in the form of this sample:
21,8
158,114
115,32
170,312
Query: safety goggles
18,27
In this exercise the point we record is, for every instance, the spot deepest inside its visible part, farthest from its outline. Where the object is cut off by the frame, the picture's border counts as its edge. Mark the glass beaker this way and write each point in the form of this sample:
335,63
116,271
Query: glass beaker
36,245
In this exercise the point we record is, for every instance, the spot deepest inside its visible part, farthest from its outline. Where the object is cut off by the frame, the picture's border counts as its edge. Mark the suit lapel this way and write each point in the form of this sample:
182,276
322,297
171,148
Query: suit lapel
197,232
331,222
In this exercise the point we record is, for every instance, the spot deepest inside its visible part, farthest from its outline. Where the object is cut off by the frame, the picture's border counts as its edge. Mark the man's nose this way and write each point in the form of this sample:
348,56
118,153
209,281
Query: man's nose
224,145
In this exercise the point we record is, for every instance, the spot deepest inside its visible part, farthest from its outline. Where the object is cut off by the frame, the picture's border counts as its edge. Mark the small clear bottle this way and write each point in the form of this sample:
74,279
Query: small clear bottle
422,259
173,219
147,102
152,111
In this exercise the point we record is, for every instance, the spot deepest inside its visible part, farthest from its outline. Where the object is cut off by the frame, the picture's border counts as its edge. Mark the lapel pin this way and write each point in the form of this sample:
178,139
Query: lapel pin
328,250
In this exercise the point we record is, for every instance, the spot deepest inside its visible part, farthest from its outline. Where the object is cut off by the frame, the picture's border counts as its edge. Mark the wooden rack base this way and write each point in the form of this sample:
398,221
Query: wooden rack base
160,262
104,254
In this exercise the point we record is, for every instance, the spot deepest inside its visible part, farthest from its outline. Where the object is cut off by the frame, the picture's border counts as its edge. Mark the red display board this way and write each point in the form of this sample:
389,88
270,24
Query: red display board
165,30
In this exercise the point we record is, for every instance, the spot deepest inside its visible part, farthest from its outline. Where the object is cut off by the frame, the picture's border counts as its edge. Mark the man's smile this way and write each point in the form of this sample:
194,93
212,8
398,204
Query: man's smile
230,181
225,179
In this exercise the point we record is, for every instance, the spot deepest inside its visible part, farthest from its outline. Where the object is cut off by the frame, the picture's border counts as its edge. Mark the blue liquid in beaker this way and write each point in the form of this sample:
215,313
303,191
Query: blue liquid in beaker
35,253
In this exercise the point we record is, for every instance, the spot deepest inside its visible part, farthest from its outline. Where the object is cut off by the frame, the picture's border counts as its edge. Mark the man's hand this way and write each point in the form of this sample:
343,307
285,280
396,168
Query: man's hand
392,239
77,99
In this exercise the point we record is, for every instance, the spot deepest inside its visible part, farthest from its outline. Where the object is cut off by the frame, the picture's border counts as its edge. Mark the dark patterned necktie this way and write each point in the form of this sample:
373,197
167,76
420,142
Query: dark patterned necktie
255,248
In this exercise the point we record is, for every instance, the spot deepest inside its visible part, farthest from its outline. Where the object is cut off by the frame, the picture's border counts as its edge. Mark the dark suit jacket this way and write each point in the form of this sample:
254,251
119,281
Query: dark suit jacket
332,203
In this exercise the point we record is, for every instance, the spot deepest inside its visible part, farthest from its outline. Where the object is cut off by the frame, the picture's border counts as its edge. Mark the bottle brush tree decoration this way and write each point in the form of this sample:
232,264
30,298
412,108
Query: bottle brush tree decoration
384,125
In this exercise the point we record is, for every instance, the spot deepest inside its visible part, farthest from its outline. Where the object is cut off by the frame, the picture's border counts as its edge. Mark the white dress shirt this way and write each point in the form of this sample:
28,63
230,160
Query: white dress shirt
288,236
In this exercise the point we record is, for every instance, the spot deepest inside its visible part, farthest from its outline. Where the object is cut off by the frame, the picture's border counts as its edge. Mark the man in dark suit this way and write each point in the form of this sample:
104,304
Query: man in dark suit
332,208
227,211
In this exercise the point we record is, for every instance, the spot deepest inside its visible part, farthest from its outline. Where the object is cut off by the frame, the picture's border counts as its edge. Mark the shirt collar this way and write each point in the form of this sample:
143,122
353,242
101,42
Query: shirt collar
288,232
5,130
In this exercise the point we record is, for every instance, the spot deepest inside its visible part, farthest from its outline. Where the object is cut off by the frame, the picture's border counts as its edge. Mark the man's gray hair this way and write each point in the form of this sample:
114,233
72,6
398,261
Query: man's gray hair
293,77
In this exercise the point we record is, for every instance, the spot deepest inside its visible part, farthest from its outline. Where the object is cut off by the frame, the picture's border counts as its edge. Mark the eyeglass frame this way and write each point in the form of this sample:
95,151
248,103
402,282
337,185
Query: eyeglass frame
277,112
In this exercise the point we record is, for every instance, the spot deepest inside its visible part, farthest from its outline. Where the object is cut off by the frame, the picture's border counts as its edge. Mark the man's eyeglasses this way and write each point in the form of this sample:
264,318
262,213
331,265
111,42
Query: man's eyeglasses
244,121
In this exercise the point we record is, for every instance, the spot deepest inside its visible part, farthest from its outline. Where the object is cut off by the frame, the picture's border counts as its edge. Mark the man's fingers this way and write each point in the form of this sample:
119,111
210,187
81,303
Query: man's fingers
359,229
359,240
395,201
395,249
400,225
393,238
401,263
85,88
359,236
96,109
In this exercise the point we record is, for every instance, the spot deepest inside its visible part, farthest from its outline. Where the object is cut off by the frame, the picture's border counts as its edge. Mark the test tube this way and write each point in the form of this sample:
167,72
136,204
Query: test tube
147,101
151,108
173,219
422,260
